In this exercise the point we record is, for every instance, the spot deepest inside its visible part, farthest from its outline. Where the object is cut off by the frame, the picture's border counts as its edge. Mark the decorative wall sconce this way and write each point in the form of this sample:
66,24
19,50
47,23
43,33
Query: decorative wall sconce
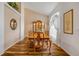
13,24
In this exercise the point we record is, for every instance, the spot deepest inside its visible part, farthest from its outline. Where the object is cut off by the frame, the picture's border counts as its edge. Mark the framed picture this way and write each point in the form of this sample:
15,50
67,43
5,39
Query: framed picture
68,22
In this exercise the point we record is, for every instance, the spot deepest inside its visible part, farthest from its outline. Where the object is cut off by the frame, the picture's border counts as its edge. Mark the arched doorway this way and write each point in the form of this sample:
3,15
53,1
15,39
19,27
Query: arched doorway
54,26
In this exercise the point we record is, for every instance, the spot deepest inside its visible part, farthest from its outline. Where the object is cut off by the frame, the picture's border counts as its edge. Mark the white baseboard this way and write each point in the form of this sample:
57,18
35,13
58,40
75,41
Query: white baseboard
59,45
8,47
1,53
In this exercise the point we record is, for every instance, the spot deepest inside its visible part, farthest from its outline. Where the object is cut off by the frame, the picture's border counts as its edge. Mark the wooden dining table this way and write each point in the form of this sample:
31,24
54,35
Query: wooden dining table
40,39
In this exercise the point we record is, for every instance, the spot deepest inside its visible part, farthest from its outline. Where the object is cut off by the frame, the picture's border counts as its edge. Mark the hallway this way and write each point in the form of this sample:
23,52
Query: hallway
21,49
39,29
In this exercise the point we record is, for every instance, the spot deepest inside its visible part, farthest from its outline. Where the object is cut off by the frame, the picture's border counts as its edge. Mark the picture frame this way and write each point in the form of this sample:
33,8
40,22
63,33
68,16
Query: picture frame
68,22
13,24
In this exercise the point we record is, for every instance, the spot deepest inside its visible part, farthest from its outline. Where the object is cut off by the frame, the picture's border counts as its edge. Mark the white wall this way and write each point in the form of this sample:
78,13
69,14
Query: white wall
8,37
22,21
1,28
11,36
70,43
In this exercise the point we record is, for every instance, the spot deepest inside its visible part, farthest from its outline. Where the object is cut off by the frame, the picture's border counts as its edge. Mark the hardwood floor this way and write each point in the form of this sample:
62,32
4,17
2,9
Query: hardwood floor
20,49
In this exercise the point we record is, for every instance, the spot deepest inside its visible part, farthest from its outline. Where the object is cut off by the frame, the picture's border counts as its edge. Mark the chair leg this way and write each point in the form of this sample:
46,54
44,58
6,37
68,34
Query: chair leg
50,49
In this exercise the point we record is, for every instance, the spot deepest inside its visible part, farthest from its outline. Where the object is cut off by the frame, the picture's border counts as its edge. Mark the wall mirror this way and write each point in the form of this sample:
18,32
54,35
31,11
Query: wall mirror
13,24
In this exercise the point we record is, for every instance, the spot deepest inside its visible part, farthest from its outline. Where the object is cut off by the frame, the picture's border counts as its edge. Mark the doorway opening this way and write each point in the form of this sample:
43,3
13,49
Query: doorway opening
54,26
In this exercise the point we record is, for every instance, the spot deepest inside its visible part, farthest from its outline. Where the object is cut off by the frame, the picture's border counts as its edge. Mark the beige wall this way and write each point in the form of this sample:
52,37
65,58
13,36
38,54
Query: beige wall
30,16
11,36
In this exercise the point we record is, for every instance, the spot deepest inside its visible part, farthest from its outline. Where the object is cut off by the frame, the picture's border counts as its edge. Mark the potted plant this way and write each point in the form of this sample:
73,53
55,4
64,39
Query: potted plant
13,4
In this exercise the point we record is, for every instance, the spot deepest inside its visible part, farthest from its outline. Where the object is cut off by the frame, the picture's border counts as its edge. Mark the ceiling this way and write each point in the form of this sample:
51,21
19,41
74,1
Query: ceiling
41,7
